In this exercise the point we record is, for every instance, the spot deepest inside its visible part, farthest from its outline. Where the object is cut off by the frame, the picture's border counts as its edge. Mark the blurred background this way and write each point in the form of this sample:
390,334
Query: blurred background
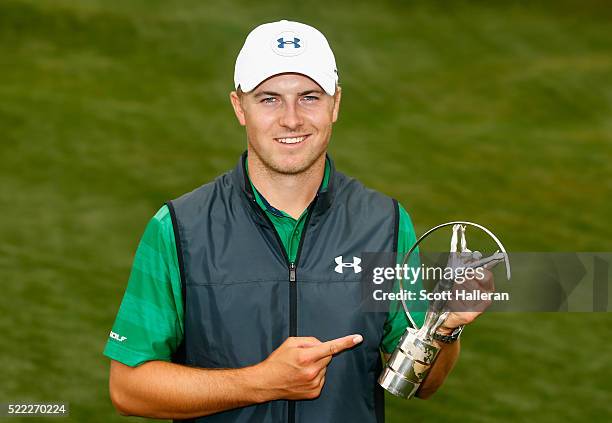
496,112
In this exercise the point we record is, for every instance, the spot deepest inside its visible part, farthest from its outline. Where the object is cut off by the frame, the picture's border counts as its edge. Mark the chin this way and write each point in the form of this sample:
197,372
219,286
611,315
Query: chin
291,164
291,167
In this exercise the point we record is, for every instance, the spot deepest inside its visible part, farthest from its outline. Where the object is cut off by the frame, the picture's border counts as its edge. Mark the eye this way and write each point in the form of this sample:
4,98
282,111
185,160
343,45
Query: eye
310,98
268,100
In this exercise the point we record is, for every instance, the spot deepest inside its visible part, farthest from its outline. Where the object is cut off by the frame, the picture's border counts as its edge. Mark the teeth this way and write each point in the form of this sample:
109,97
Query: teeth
291,140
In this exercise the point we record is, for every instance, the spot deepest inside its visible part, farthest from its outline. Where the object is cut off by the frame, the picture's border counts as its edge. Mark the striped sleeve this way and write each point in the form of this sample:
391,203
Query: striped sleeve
149,323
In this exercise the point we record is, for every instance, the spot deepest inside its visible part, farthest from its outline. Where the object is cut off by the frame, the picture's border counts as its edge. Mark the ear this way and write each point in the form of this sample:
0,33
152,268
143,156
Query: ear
336,109
237,105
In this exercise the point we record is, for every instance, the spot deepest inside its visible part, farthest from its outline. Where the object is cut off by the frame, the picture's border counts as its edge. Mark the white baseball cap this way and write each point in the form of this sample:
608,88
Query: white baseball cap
285,46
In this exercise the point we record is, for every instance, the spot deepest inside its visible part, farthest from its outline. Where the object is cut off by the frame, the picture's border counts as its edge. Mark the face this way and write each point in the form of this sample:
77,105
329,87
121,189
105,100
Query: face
288,120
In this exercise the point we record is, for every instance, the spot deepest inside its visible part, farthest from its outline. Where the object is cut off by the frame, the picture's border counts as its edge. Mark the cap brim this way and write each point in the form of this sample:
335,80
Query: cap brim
327,82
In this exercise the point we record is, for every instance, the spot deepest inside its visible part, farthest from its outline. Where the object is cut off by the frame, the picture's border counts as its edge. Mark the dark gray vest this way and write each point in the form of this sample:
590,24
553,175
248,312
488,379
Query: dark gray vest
243,298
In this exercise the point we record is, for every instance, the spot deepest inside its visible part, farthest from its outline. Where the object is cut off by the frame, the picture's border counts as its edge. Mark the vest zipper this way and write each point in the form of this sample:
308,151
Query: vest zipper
293,319
292,265
293,303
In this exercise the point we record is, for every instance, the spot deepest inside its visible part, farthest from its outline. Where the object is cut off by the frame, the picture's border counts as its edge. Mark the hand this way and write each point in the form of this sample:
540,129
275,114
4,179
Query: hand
466,311
296,369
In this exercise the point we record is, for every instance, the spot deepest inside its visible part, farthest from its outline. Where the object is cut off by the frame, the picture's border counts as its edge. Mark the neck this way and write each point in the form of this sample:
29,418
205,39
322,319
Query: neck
289,193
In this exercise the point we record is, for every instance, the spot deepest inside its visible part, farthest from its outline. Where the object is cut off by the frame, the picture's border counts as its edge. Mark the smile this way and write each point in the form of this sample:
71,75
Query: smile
292,140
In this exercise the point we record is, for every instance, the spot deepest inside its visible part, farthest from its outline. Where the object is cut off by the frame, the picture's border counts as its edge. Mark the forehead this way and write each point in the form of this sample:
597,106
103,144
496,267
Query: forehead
288,83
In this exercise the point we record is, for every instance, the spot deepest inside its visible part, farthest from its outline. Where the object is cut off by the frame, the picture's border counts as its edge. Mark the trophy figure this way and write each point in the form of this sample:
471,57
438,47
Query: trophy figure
416,351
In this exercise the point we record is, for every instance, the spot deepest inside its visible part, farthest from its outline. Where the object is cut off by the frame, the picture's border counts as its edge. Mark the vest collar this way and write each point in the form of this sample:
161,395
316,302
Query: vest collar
323,199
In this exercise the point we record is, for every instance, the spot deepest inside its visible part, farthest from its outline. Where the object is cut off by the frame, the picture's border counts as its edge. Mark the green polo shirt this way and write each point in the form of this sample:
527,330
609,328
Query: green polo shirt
149,324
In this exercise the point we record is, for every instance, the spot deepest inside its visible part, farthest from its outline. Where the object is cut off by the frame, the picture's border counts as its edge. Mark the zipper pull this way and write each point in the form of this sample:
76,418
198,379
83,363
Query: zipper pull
291,272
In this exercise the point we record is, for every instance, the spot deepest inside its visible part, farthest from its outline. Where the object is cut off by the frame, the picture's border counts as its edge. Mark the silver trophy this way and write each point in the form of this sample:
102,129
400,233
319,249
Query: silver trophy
416,352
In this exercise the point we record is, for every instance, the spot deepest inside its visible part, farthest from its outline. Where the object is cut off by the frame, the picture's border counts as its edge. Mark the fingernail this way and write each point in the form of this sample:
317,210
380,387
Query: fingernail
357,339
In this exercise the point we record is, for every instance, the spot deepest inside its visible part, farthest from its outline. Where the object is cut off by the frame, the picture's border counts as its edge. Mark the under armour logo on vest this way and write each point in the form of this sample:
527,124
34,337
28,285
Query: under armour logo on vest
340,265
282,42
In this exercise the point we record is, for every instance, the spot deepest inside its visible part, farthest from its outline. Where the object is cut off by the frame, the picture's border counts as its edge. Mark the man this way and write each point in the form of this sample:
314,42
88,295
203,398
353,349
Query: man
236,309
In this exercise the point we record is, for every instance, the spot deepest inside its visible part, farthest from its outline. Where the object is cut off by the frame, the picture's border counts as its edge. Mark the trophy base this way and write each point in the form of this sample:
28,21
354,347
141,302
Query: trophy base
409,365
397,384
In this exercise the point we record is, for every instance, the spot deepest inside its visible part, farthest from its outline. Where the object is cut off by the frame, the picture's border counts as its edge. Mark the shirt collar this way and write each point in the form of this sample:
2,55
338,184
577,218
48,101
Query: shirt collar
266,206
324,198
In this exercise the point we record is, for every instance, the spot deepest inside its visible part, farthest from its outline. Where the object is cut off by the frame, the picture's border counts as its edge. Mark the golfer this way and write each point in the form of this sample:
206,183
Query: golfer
244,300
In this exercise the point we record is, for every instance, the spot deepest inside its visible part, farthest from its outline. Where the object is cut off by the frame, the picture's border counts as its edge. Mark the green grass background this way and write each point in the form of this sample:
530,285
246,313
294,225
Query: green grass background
500,112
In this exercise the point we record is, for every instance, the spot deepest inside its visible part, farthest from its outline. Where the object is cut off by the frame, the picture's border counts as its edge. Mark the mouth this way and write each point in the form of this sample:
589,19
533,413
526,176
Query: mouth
292,140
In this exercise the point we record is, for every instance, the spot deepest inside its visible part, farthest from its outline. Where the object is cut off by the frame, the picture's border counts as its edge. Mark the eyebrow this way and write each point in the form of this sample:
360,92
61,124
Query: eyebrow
274,94
266,93
311,92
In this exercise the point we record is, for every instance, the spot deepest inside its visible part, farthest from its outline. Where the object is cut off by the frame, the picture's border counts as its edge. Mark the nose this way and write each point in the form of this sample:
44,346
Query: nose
291,117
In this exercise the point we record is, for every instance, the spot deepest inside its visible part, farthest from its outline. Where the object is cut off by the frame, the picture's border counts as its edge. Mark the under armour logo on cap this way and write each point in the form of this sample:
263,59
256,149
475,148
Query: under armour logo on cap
340,265
282,42
288,43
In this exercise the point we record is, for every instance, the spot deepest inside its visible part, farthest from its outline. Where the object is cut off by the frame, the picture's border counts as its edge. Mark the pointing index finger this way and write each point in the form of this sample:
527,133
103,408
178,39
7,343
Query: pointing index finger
333,347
